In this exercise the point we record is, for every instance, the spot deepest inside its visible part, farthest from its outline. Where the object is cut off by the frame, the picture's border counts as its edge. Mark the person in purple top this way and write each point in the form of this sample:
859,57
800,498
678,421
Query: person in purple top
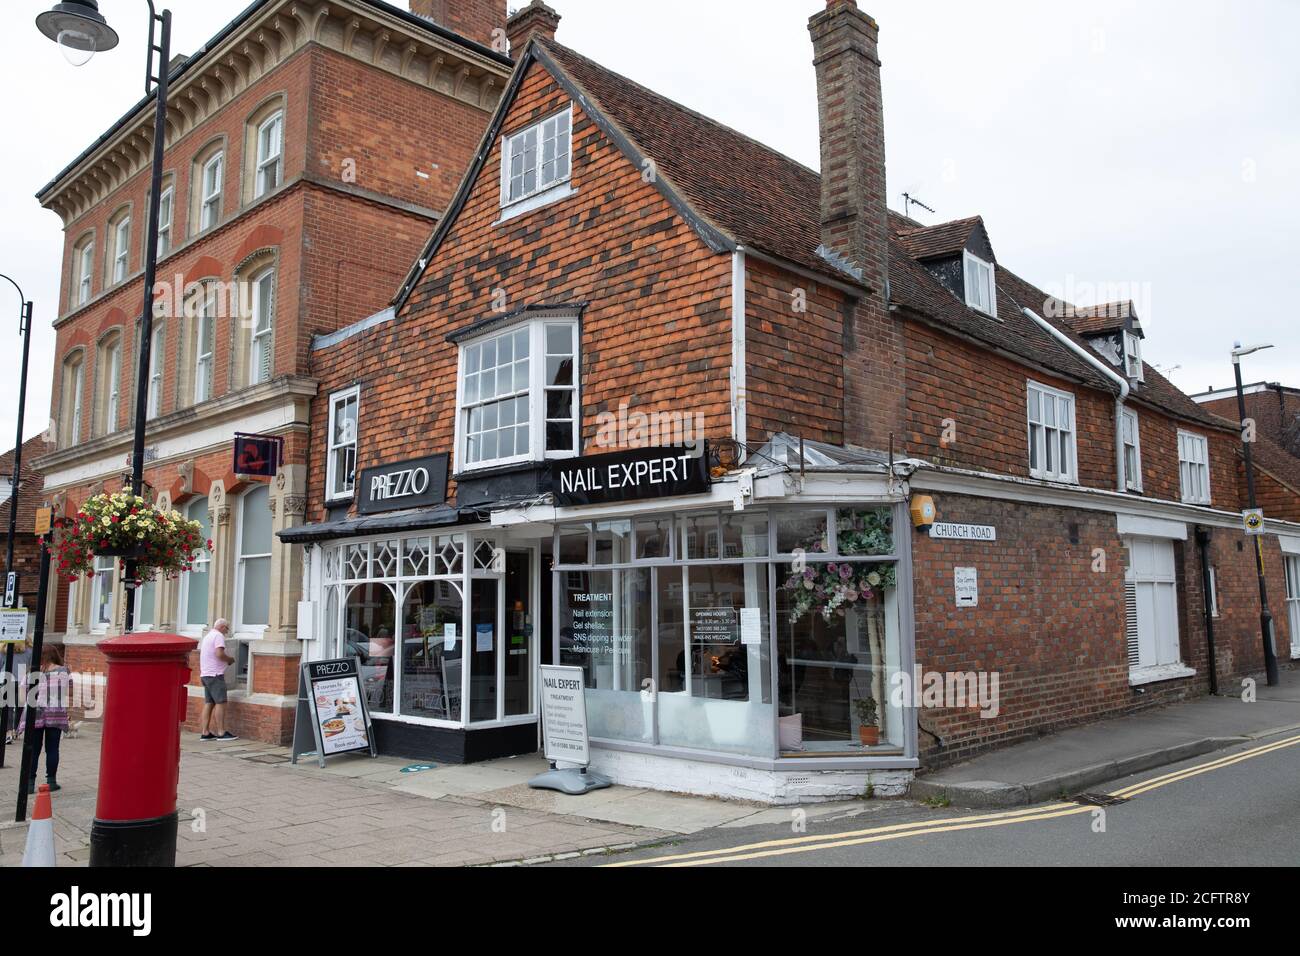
53,693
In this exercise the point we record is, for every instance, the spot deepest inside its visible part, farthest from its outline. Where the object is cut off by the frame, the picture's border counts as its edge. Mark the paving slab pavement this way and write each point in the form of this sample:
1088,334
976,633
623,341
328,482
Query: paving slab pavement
1074,760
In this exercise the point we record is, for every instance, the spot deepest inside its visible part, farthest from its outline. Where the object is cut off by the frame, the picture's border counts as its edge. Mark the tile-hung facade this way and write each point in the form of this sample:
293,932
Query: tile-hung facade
309,145
613,265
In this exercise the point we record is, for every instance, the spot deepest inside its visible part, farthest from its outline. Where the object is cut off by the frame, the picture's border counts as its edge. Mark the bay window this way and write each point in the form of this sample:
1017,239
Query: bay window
1051,434
518,398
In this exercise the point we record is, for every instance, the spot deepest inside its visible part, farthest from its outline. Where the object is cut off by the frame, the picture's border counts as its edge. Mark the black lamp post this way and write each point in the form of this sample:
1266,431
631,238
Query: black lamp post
11,576
1265,615
79,28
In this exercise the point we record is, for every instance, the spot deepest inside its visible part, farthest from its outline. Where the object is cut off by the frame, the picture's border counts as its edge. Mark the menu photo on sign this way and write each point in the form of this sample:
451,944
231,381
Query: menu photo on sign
335,707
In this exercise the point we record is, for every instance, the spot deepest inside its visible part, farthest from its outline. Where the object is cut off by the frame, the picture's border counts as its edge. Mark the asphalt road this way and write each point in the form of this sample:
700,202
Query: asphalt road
1238,807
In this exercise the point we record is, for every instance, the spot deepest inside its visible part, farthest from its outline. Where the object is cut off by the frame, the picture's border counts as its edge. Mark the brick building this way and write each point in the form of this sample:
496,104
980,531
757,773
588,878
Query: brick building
311,146
618,277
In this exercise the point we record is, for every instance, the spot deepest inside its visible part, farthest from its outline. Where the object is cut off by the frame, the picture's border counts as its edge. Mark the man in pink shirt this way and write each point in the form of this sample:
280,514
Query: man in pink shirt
213,661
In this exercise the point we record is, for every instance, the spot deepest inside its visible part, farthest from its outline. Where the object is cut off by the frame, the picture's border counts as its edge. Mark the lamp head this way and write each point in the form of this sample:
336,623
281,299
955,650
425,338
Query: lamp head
1238,351
78,28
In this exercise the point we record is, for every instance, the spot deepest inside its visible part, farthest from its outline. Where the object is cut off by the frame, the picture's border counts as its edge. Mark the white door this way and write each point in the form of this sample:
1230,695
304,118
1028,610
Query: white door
1293,601
1152,600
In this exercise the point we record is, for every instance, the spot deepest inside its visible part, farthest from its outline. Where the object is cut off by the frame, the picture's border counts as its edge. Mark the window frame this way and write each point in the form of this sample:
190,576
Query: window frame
1132,482
205,303
1187,440
119,266
74,364
259,339
96,592
202,564
262,163
985,269
536,394
1133,356
338,398
157,366
166,201
541,194
110,357
1213,596
241,629
1040,471
211,200
84,270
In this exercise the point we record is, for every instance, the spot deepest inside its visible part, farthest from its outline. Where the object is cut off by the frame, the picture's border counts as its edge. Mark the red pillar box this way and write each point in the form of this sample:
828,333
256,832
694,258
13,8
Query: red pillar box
139,763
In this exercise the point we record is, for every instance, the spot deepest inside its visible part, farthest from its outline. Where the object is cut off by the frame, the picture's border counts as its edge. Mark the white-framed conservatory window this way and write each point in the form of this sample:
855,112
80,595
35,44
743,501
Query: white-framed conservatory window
261,342
1132,452
253,550
192,610
165,212
1132,356
1052,451
210,195
270,143
101,594
156,364
537,159
518,398
981,285
1194,468
342,463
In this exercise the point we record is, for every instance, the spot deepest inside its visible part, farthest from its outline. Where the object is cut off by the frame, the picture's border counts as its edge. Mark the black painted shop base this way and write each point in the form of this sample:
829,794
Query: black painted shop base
453,744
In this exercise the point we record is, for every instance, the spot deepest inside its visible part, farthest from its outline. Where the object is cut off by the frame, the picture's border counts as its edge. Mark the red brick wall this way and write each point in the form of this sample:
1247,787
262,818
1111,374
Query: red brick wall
794,366
475,19
656,334
984,396
1276,413
1053,628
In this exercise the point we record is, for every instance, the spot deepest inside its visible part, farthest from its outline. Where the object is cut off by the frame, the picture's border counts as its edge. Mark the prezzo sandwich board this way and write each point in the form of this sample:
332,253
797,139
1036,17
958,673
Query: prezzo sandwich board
331,704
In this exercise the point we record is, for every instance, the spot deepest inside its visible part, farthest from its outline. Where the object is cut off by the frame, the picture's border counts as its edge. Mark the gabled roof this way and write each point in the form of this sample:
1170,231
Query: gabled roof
736,192
941,241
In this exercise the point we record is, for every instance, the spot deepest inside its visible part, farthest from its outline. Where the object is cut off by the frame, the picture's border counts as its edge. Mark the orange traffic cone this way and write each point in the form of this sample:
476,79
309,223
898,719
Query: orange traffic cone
40,832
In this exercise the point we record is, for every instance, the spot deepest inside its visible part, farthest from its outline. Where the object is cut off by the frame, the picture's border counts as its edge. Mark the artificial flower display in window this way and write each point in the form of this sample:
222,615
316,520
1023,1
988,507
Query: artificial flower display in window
127,526
833,589
865,531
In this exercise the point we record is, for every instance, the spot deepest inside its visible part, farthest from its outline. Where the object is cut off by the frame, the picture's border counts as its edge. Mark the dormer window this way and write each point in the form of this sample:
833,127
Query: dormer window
981,287
1132,356
535,164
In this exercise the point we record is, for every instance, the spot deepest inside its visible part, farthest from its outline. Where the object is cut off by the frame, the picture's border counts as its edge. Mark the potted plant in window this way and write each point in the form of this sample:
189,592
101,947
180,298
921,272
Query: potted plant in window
868,728
126,526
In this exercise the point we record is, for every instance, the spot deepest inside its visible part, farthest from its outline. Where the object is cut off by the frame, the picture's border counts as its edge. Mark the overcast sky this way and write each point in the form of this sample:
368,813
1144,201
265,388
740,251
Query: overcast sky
1147,149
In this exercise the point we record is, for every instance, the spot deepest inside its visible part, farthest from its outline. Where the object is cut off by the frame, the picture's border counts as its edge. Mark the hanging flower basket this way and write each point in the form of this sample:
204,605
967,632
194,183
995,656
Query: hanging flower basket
127,527
833,589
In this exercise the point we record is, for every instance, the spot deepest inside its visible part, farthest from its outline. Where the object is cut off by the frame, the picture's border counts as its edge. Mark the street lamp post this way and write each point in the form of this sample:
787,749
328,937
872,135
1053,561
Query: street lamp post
1265,615
78,27
11,576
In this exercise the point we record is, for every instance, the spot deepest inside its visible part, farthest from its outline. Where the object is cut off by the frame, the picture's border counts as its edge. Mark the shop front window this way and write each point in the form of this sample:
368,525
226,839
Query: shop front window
708,644
370,634
432,634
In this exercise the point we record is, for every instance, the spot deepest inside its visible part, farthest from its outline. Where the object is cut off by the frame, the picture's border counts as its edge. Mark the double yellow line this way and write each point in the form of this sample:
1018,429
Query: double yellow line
899,831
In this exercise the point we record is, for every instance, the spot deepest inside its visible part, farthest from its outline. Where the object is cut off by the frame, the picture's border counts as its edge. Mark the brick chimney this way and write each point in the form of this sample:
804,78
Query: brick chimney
852,120
855,217
535,19
474,19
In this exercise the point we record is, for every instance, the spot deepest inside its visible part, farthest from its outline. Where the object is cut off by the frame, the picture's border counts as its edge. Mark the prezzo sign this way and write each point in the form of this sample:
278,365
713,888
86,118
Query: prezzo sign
407,484
964,532
332,710
630,475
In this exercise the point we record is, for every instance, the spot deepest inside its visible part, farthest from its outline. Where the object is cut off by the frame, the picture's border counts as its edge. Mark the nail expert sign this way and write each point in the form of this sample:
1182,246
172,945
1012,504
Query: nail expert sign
631,475
418,483
564,715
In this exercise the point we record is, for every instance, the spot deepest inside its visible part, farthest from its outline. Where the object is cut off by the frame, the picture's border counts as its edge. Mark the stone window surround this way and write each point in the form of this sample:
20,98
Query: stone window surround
273,103
252,267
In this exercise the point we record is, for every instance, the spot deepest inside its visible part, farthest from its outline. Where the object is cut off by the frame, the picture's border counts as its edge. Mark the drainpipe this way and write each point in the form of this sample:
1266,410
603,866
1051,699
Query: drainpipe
1203,543
1088,356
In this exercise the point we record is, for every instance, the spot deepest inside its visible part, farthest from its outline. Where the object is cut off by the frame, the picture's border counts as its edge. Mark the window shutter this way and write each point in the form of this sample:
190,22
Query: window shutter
1131,623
